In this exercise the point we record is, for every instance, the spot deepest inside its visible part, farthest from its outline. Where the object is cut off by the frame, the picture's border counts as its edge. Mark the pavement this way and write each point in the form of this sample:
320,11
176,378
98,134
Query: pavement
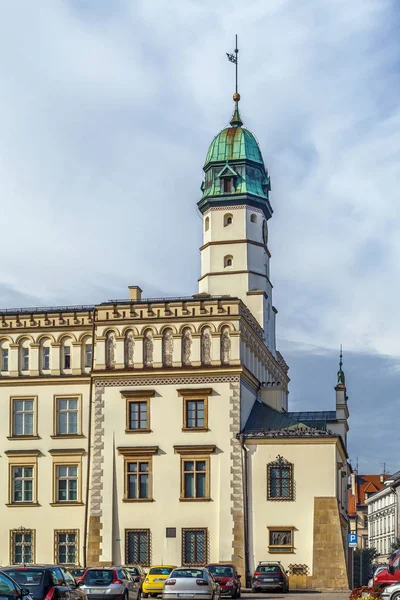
298,595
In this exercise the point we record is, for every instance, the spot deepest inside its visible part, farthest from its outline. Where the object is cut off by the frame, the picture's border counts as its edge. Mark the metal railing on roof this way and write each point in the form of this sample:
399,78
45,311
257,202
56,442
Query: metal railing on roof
168,299
47,309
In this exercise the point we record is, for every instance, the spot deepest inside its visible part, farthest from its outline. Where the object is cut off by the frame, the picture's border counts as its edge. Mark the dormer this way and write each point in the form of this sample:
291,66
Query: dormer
228,179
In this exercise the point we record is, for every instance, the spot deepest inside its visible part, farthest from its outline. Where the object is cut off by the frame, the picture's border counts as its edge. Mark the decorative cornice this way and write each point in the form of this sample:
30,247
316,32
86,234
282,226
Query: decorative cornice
164,379
137,393
69,451
137,450
195,391
194,449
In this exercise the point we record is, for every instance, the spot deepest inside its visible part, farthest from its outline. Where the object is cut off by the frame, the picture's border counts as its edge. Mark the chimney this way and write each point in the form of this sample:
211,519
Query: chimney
135,293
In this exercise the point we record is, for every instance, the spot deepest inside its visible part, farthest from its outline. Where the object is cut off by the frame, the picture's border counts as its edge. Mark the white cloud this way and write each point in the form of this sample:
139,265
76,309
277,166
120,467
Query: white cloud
105,118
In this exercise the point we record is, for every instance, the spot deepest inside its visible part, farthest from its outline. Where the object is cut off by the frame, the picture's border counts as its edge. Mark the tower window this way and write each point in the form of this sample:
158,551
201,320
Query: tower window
227,185
228,220
253,218
207,224
228,261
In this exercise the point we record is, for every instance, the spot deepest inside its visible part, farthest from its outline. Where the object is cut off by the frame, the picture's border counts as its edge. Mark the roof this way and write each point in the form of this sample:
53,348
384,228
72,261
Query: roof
265,422
317,418
234,143
364,484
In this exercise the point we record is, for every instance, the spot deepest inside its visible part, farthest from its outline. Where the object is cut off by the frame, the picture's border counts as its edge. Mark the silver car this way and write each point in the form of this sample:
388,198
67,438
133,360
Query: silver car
110,581
191,582
391,592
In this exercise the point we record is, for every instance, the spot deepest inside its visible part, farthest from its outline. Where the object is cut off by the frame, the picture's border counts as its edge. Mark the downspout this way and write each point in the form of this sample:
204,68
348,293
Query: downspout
245,450
89,446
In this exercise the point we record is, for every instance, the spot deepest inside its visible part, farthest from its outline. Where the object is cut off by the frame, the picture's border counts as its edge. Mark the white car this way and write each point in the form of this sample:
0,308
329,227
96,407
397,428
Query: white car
391,592
191,582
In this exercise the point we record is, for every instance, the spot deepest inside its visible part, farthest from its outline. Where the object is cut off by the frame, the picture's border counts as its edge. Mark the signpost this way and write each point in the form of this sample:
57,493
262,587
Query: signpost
352,539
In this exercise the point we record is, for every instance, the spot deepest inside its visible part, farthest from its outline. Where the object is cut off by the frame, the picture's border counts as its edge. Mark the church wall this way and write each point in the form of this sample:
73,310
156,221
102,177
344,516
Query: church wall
314,474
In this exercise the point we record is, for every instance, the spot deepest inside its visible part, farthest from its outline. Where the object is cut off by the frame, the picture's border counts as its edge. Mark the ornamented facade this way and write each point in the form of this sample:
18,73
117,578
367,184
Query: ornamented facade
144,430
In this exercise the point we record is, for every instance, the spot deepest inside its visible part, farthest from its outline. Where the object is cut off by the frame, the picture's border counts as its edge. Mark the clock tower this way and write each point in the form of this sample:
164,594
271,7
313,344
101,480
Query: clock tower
235,207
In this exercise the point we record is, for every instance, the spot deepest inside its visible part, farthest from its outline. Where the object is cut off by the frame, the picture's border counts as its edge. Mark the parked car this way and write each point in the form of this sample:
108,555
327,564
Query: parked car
227,576
137,572
46,582
76,572
155,579
391,592
390,575
191,582
376,571
269,576
112,581
11,590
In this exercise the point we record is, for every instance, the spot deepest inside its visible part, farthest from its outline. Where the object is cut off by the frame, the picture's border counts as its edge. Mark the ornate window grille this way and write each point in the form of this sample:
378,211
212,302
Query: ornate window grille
22,546
299,570
137,547
194,547
280,480
66,547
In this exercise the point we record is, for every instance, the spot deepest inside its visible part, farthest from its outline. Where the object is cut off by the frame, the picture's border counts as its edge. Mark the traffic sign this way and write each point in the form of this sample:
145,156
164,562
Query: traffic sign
352,539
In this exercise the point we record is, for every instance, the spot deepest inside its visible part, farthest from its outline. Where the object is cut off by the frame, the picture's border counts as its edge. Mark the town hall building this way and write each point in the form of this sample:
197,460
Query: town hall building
158,430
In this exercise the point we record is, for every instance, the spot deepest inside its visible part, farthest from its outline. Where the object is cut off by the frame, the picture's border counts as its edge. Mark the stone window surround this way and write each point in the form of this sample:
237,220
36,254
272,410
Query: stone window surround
22,458
22,530
189,394
137,396
56,434
200,530
34,435
199,452
57,532
147,562
280,463
138,454
281,549
71,457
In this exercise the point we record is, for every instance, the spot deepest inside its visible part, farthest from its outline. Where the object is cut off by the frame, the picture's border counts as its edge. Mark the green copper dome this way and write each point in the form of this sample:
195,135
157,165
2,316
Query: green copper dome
234,143
234,170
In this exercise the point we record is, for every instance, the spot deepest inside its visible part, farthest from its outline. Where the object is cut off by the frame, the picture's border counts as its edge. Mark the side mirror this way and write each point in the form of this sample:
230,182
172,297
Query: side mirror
24,592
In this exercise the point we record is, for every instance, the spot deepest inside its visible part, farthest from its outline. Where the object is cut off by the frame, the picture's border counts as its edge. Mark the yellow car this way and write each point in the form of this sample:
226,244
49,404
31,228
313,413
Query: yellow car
154,583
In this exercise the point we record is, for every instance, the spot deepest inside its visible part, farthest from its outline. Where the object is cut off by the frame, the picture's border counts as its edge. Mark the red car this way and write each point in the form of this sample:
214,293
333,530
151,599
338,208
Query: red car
390,575
226,575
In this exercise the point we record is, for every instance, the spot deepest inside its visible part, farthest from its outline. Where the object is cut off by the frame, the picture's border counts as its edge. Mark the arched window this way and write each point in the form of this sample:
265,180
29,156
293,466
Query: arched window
280,479
207,224
4,356
253,218
45,355
24,356
86,353
66,354
228,220
228,261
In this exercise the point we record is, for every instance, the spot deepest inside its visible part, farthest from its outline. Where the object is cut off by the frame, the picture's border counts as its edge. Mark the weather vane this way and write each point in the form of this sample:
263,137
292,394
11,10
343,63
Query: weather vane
234,59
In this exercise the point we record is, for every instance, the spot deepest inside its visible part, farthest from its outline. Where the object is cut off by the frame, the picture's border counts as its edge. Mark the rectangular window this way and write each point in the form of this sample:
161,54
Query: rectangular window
194,414
227,185
46,358
194,547
23,416
280,480
195,478
137,547
67,483
280,540
25,359
88,355
22,546
4,359
138,475
67,357
66,547
22,484
67,416
138,415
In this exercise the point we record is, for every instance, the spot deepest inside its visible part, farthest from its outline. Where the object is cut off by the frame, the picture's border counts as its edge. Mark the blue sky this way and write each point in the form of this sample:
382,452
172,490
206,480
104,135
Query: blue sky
106,113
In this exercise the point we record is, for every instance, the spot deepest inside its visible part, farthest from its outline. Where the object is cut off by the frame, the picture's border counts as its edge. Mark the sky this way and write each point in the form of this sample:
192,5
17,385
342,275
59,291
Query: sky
106,114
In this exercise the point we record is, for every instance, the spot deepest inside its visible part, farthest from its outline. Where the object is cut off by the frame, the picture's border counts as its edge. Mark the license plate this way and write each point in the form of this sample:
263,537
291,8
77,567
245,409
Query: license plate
185,595
159,580
96,591
267,579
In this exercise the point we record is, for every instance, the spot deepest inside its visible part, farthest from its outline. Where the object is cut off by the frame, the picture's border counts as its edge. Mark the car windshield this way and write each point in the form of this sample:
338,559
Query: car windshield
268,569
132,570
76,572
160,571
98,577
188,573
218,571
26,577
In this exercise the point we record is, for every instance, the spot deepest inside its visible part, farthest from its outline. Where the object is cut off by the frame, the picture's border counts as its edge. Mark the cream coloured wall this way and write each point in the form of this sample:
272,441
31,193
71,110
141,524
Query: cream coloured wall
43,518
166,510
314,473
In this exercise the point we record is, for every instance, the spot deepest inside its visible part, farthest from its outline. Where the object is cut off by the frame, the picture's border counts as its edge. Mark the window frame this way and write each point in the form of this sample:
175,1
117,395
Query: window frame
145,563
66,358
189,395
34,434
46,357
22,458
186,530
195,458
56,399
129,404
281,464
138,460
57,533
25,358
13,544
23,502
4,360
66,478
131,396
88,364
281,548
67,458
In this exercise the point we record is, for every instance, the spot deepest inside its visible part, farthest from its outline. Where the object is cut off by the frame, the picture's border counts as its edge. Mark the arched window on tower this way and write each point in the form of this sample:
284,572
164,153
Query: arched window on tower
228,260
253,218
228,220
207,224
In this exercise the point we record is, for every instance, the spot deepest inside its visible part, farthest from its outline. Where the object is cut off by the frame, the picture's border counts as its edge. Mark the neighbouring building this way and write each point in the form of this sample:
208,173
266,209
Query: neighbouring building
361,488
148,430
383,517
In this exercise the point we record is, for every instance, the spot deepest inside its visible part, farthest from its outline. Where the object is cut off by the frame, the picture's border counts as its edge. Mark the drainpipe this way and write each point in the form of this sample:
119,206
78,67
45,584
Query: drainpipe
89,445
245,508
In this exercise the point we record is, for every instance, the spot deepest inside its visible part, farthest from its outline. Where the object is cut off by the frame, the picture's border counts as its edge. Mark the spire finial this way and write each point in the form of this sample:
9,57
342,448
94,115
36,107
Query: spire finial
236,121
340,374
